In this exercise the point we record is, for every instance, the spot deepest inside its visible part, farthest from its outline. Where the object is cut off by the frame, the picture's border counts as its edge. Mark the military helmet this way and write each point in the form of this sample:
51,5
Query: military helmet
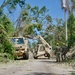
63,43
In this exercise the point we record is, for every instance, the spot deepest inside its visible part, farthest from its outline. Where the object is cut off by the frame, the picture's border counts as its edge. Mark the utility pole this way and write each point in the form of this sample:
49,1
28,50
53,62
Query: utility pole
64,6
65,18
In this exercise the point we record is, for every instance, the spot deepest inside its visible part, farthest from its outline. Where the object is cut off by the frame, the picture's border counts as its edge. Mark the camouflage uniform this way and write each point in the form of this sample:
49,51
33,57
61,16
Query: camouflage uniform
63,52
58,53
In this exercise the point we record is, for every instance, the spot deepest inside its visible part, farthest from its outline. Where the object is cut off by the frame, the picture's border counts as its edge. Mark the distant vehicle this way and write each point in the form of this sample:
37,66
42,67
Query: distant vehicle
21,47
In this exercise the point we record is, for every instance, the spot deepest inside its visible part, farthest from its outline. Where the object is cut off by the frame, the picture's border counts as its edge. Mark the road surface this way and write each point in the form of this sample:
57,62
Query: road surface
35,67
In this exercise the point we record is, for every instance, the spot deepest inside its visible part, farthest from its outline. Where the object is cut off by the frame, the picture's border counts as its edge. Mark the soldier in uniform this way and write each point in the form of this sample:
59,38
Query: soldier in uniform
63,52
58,53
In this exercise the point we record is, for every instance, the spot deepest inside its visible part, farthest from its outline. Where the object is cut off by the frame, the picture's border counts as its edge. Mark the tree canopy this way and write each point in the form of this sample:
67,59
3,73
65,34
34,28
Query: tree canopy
32,18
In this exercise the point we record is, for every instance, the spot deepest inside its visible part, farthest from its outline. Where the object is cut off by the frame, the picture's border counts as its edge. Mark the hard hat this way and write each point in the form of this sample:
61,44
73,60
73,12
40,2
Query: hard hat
57,43
63,43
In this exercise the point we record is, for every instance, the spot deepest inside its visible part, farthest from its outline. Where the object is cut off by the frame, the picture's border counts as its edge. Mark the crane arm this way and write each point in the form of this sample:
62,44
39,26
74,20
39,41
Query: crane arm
44,42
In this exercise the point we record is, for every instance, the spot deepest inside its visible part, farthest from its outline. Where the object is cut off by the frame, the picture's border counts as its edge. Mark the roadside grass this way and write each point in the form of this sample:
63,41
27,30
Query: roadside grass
73,73
71,62
4,60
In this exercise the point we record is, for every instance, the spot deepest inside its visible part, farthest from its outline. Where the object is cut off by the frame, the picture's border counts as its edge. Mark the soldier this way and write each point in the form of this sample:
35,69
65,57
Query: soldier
63,52
58,53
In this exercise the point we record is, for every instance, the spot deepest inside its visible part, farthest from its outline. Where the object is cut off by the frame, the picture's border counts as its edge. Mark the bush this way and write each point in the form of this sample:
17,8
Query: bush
9,49
6,30
1,48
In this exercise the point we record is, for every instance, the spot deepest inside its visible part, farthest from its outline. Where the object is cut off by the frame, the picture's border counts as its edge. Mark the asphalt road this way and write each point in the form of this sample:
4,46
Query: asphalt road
35,67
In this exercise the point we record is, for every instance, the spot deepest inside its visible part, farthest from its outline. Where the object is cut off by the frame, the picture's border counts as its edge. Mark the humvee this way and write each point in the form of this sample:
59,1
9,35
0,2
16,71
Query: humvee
21,47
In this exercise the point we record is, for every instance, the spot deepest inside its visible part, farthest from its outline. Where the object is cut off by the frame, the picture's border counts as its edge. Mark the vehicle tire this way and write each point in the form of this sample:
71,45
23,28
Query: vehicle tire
35,57
15,57
45,55
26,55
48,55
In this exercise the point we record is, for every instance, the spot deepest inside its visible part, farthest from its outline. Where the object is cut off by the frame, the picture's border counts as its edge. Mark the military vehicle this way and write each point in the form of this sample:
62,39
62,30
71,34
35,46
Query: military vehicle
21,47
43,49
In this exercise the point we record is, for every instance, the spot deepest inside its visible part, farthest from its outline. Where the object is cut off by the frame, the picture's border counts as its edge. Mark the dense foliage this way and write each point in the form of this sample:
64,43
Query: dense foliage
6,26
32,18
6,30
71,30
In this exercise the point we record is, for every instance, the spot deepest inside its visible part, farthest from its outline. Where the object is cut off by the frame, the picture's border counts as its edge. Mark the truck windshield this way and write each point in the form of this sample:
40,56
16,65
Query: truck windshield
17,40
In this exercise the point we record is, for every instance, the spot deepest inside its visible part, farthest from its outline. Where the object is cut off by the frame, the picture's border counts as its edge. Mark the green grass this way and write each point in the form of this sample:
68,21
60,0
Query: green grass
72,73
3,60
